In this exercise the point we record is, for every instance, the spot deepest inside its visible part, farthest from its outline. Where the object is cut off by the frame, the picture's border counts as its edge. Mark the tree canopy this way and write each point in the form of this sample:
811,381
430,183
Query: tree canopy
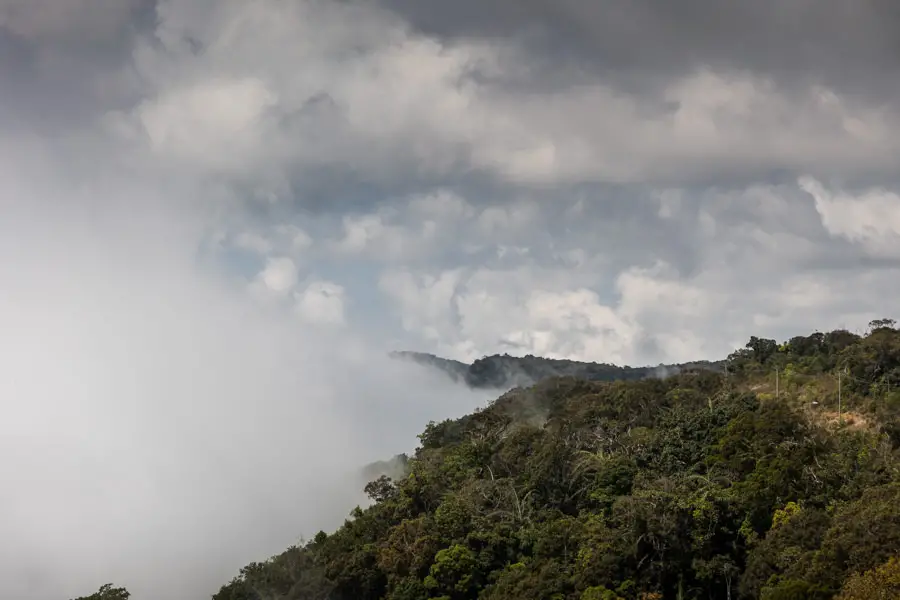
107,592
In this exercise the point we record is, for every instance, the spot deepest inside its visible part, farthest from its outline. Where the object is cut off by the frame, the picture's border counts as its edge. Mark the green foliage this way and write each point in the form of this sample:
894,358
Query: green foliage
784,552
783,515
706,484
793,589
882,583
454,573
107,592
599,593
862,535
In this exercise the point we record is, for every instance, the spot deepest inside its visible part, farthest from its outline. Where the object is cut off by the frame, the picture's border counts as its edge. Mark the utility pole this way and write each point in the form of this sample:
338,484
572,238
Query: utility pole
776,382
839,396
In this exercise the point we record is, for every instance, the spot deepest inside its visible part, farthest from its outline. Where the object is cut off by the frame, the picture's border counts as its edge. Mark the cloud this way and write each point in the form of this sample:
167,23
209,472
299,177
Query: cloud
162,427
214,123
322,302
368,233
792,40
694,280
332,85
280,275
274,239
93,21
871,218
217,215
253,242
425,303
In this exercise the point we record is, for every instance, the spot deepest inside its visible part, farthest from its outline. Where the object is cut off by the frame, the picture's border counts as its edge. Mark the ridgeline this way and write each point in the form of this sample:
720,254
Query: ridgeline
773,475
502,371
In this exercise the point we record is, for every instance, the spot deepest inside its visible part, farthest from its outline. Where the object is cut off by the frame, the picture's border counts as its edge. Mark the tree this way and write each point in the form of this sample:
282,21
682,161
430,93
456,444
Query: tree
381,489
882,583
881,324
762,348
453,573
107,592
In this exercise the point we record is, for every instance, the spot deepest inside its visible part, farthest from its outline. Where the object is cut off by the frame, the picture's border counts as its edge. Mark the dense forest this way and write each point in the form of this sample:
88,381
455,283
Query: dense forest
776,477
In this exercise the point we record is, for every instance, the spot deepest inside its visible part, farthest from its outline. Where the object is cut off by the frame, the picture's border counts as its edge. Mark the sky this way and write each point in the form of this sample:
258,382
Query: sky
217,216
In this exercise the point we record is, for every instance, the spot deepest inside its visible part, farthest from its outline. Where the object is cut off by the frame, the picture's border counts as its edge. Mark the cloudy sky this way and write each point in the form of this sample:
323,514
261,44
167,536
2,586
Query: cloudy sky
215,216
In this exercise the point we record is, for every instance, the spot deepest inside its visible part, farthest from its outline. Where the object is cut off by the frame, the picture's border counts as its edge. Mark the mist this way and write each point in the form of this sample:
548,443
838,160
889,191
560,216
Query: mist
162,425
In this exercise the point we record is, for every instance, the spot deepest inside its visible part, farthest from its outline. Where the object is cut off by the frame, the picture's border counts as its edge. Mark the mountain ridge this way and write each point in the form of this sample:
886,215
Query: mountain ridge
499,371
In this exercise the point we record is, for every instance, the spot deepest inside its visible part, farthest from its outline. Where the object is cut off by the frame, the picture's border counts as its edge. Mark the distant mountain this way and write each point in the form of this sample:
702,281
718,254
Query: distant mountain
502,371
455,369
395,468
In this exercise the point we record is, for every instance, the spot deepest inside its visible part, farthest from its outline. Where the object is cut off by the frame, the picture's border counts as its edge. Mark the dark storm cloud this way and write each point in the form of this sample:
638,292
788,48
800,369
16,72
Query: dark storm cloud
851,44
62,62
645,114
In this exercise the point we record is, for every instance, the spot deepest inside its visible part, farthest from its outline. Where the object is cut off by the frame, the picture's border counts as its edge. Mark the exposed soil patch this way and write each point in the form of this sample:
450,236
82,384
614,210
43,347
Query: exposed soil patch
852,420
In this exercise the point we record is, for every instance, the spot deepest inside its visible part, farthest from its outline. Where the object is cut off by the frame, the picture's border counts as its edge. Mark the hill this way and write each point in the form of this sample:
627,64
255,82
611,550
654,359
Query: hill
774,478
502,371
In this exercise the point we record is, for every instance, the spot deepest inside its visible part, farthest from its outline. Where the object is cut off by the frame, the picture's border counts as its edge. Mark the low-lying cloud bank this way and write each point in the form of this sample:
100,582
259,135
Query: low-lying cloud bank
162,427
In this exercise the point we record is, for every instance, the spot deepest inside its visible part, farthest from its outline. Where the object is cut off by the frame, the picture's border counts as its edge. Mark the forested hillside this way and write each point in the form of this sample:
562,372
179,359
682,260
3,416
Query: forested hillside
744,483
502,371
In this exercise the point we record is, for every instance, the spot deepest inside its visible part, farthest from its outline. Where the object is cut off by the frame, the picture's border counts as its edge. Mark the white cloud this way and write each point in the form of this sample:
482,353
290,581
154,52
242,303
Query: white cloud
648,289
166,404
499,221
425,303
871,218
215,123
470,314
298,240
442,205
597,328
751,275
279,275
254,242
321,303
280,241
415,228
348,84
368,233
718,121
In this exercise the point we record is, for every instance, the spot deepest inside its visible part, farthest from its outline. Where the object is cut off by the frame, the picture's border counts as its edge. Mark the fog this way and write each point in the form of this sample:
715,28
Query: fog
161,425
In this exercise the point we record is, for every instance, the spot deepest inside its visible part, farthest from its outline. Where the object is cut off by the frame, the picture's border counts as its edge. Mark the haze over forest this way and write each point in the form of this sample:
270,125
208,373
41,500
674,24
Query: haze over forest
220,218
